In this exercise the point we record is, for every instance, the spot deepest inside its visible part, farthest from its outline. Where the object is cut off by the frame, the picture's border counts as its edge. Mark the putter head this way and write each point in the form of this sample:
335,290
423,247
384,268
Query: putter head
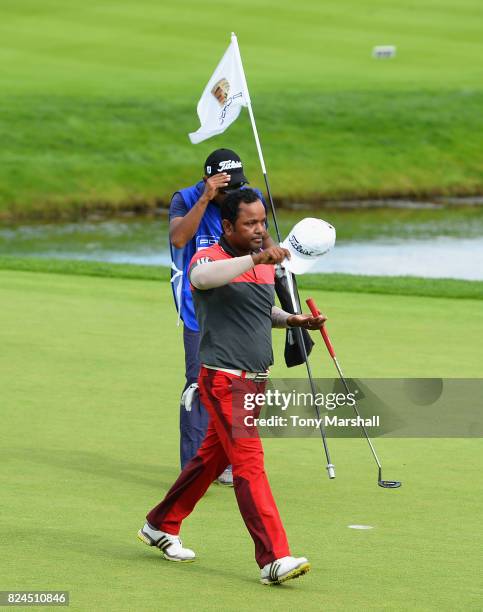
389,484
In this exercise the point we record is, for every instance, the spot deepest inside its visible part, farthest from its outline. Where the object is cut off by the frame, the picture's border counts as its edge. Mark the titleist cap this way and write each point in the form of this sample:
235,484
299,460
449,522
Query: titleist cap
226,160
307,242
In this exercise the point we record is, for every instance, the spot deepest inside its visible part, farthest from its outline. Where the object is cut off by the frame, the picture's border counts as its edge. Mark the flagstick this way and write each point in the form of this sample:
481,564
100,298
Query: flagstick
290,277
264,170
255,132
294,294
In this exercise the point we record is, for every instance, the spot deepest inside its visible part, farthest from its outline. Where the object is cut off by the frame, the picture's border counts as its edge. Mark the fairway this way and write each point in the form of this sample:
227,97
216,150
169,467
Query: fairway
91,371
98,99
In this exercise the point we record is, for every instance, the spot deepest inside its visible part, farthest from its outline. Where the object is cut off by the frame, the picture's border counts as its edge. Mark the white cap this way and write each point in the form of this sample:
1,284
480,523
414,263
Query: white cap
307,242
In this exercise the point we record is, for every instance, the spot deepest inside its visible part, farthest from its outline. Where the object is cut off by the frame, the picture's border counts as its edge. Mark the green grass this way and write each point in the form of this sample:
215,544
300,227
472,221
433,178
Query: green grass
90,372
98,98
389,285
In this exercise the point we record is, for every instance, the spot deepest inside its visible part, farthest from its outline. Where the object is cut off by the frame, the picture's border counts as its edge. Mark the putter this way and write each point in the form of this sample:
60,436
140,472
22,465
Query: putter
385,484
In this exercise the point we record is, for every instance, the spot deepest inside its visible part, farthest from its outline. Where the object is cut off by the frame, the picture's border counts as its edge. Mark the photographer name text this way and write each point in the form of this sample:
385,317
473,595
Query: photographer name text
297,421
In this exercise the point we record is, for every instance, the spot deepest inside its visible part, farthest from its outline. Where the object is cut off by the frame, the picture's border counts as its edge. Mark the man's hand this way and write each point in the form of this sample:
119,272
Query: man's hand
214,183
182,229
307,321
272,255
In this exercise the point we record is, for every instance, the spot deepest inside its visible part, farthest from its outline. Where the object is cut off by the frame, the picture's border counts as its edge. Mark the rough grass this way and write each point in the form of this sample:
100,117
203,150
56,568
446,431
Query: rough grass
97,99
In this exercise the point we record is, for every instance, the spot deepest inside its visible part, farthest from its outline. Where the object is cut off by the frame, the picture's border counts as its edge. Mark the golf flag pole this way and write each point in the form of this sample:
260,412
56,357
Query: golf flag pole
323,434
219,106
290,277
234,42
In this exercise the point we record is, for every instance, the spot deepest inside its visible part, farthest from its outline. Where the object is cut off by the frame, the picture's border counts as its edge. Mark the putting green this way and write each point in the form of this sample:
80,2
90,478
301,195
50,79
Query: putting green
90,372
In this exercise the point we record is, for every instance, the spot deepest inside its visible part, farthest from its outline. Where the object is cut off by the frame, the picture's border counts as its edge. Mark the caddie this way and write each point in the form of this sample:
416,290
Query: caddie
195,224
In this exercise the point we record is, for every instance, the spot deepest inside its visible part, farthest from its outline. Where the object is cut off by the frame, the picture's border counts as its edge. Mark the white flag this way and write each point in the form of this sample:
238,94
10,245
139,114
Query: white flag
223,97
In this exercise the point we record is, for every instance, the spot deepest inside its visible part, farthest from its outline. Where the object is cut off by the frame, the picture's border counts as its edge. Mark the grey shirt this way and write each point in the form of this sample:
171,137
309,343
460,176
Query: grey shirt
235,319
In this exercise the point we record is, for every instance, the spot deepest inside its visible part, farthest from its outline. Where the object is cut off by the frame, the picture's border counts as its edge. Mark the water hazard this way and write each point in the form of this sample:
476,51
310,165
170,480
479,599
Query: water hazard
428,240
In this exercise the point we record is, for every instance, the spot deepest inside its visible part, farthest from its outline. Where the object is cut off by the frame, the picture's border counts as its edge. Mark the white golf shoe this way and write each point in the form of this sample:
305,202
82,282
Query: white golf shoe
170,546
284,569
226,477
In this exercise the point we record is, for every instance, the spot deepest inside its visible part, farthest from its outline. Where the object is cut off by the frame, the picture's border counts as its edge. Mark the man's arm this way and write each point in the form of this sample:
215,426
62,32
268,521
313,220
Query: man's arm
182,229
283,319
279,317
208,274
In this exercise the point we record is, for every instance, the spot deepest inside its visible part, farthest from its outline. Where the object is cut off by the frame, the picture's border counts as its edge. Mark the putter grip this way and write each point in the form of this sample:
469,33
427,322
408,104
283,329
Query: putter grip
315,311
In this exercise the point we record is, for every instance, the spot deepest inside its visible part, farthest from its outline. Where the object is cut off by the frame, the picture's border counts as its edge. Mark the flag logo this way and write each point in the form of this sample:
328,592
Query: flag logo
223,97
221,90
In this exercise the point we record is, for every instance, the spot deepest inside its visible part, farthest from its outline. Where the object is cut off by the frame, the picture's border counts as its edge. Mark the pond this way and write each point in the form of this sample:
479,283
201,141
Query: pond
392,238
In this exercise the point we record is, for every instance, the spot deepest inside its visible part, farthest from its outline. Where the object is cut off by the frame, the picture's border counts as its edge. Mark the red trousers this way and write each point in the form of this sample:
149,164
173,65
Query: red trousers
218,450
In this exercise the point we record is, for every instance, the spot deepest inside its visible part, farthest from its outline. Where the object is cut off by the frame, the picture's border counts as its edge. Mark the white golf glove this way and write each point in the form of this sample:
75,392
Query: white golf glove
187,397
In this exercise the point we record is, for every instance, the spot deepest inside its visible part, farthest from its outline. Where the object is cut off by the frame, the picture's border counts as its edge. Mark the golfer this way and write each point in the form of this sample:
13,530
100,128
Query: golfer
233,290
195,224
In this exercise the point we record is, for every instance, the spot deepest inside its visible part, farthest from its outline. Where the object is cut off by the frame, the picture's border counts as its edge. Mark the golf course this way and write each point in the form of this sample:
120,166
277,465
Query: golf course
97,100
90,377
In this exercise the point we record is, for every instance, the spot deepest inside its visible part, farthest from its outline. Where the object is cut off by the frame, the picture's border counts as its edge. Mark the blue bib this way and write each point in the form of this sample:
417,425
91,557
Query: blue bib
207,234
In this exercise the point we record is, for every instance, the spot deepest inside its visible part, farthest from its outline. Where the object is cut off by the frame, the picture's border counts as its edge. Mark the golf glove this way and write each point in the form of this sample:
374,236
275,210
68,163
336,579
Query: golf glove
187,397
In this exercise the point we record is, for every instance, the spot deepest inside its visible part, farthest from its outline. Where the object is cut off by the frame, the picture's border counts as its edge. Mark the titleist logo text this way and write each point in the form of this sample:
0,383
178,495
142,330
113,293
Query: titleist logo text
229,164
